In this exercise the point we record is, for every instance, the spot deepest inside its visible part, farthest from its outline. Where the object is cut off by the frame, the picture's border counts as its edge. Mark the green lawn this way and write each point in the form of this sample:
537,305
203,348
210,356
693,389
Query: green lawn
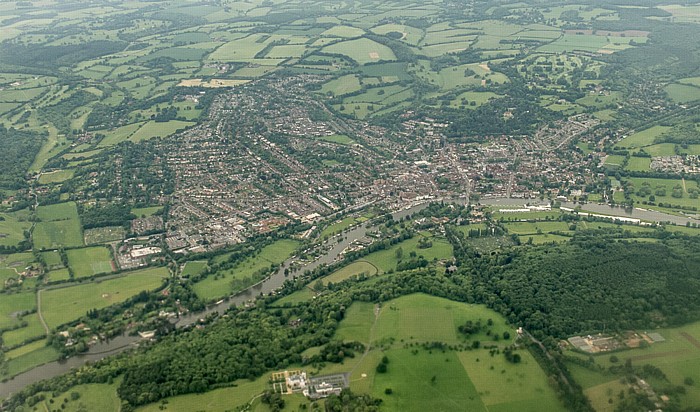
89,261
31,360
60,306
58,176
33,329
12,229
681,93
146,211
644,137
90,397
338,226
194,268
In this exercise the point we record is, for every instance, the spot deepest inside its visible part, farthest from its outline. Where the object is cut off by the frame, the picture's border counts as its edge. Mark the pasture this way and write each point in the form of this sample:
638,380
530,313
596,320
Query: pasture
361,50
422,379
12,228
89,261
63,305
59,211
48,235
643,138
13,305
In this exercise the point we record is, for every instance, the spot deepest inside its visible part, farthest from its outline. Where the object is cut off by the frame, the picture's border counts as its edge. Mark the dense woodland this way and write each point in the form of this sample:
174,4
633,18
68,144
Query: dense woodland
19,150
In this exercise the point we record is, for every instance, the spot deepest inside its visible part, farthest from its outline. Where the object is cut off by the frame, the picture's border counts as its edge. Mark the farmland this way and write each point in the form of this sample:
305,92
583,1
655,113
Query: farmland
89,261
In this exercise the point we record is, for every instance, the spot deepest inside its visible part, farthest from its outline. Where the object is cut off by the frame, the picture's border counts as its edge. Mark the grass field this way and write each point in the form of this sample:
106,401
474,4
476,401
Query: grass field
11,305
59,211
12,229
90,397
681,93
644,137
154,129
31,360
218,400
353,269
666,186
361,50
439,380
194,268
58,176
386,260
678,358
33,329
89,261
65,233
338,226
221,283
60,306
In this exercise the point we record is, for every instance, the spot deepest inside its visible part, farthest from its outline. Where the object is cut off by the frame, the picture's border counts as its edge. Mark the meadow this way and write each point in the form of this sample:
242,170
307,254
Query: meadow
66,304
225,282
386,260
678,357
422,379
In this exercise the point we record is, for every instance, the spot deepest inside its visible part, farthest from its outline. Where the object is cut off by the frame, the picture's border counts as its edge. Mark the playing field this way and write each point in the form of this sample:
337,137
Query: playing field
60,306
89,261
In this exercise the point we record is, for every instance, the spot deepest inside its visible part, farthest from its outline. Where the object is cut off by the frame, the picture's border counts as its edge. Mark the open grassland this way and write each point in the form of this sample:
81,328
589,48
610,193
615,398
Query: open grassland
386,260
33,329
354,269
89,261
88,397
338,226
31,360
60,306
59,211
12,228
664,189
59,233
218,400
195,267
146,211
422,379
225,282
681,93
13,305
57,176
361,50
644,137
678,357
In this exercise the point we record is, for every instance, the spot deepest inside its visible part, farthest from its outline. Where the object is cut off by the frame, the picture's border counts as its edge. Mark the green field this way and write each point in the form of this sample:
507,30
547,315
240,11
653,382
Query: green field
361,50
643,138
225,282
80,398
31,360
386,260
681,93
154,129
678,357
58,176
664,189
337,227
65,233
89,261
353,269
12,305
423,379
59,211
194,268
12,229
60,306
146,211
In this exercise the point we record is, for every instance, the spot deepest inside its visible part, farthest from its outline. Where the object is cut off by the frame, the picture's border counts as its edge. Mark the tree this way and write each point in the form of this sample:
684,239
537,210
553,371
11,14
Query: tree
399,253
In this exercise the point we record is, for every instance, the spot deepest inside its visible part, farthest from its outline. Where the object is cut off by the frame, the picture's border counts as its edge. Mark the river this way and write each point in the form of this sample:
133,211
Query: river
123,342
